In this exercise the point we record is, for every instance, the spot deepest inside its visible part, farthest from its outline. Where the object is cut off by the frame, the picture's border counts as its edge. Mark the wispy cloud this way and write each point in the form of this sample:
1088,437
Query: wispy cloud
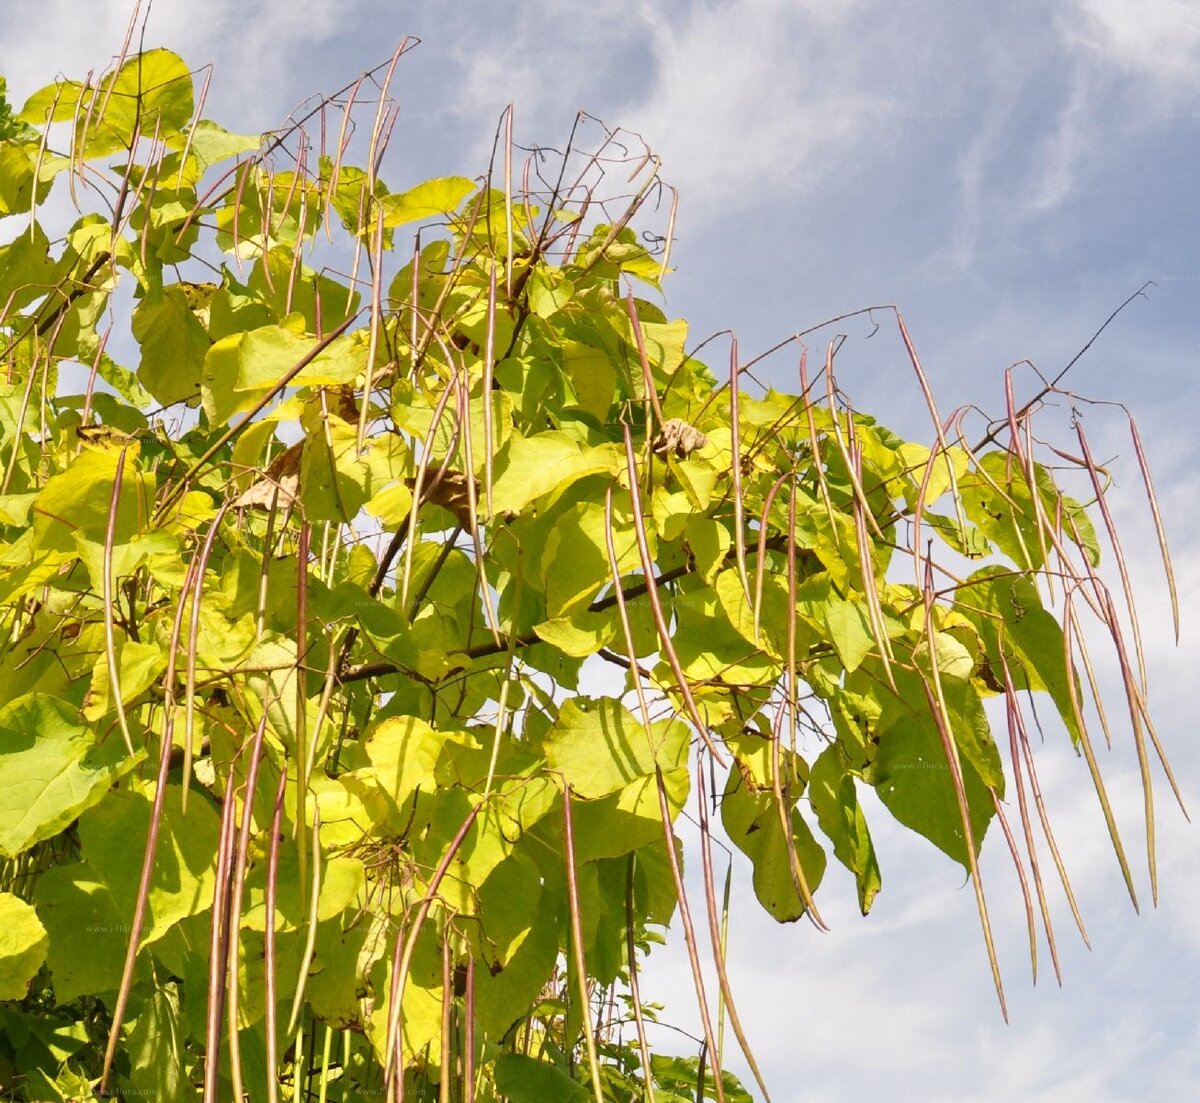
751,97
1157,40
254,45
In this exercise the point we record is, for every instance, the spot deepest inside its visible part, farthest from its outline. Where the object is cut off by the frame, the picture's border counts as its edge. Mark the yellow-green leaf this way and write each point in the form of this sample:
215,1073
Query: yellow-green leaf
23,944
427,200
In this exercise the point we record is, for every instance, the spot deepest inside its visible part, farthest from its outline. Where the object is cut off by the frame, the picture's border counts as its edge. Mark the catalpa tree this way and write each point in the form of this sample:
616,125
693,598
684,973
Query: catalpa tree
321,504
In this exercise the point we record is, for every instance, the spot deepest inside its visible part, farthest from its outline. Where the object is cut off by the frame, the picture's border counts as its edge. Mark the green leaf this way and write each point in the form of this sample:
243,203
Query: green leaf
265,355
528,467
403,752
212,143
593,377
832,794
78,501
996,499
574,561
23,944
342,879
425,201
911,774
51,769
599,748
709,542
966,540
421,1007
682,1074
139,666
628,820
1008,612
18,160
157,1045
752,821
525,1080
332,990
174,345
698,478
26,267
710,647
334,481
151,93
87,936
580,635
773,617
549,292
849,631
113,836
519,943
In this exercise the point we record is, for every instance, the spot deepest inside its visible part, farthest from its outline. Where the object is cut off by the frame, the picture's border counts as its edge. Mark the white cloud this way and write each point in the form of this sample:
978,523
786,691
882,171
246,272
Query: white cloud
254,44
751,98
765,103
1158,40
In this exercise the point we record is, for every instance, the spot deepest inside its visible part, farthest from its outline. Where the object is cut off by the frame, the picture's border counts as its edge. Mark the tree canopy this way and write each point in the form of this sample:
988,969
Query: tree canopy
322,506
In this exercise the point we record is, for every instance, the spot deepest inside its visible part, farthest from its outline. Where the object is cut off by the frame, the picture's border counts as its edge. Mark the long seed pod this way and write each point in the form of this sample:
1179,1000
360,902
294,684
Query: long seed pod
19,429
444,1080
110,645
923,382
303,544
151,847
464,421
310,939
37,168
689,932
189,701
270,970
489,372
197,115
651,391
937,709
623,610
860,495
581,974
468,1092
718,942
1159,531
1118,552
1135,697
635,994
1072,629
1019,866
392,1061
335,170
783,810
418,490
1043,816
268,555
814,443
867,568
735,445
235,905
1089,755
1024,456
792,691
508,197
376,260
760,564
218,945
1012,712
664,635
323,1082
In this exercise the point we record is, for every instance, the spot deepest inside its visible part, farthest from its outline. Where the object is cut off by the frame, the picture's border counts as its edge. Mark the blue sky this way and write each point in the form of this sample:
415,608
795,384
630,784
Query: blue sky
1006,175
